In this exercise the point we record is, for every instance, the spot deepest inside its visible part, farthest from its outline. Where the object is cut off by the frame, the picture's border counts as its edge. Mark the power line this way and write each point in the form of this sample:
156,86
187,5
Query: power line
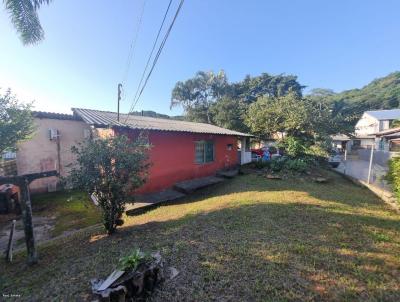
136,97
159,52
132,47
150,55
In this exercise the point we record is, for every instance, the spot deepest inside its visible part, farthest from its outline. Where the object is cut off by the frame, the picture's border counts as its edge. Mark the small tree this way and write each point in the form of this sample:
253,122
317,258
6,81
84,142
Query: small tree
111,168
16,121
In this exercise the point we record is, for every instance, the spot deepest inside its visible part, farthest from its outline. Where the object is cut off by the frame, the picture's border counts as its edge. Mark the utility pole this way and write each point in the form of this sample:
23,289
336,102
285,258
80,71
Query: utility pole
119,99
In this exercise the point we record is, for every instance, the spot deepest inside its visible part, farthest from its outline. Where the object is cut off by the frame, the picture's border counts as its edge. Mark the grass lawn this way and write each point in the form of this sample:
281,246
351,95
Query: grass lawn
248,239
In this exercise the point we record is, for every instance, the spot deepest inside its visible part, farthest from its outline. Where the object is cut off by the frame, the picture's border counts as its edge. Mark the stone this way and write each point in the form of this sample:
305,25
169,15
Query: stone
271,176
320,179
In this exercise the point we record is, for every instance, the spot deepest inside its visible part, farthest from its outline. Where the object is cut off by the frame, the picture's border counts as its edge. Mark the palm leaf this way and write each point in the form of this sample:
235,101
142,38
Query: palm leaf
24,16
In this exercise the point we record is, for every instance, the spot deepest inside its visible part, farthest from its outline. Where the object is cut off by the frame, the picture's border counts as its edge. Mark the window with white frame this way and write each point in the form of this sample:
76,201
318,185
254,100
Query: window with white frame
204,152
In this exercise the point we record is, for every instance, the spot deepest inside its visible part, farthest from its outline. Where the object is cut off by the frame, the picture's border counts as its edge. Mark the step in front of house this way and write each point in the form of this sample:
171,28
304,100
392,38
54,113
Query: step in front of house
145,202
228,173
189,186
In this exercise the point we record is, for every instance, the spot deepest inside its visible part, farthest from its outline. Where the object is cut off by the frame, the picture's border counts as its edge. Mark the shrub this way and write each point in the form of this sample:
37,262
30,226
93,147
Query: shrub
294,147
111,168
131,261
297,165
277,164
393,175
260,164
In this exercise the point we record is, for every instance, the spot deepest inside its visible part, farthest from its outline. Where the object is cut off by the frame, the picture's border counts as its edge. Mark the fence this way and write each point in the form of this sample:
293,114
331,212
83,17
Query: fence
369,165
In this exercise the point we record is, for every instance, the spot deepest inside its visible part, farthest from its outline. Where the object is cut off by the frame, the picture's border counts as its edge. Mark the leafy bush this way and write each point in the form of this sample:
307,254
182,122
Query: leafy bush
260,164
294,147
277,164
297,165
393,175
111,169
131,261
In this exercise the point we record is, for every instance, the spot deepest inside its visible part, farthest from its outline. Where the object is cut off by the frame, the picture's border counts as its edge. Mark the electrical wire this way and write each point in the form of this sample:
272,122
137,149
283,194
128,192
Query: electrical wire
148,60
159,52
133,45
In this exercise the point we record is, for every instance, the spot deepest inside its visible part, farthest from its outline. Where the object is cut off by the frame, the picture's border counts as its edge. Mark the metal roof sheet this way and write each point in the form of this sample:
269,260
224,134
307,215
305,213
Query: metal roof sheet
392,114
388,131
53,115
106,119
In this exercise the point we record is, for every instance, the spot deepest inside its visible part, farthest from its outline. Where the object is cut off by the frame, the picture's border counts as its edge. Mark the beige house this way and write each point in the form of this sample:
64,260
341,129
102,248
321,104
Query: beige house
50,147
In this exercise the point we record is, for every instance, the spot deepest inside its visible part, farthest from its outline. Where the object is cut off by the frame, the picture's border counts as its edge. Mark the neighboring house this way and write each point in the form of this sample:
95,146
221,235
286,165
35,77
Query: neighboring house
180,150
388,140
50,147
370,123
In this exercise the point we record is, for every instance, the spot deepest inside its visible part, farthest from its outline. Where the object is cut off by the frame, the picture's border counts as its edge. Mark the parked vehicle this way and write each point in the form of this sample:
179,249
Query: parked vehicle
334,159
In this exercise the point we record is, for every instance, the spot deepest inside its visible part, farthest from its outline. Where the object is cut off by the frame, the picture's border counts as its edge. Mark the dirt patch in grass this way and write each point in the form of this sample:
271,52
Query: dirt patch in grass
248,239
72,210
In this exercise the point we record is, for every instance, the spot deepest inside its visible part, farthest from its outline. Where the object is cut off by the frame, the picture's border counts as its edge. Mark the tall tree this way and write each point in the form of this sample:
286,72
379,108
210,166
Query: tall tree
290,114
25,18
16,121
267,85
196,95
229,113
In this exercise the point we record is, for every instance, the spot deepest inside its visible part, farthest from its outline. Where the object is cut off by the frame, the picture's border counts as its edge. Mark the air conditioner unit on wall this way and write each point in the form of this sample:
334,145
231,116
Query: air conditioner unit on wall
53,134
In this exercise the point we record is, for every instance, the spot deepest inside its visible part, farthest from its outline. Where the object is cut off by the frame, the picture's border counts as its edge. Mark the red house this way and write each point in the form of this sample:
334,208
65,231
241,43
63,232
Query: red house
180,150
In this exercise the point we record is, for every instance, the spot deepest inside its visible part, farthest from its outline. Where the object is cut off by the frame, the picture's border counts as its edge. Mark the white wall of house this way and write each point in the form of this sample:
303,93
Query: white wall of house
245,153
367,125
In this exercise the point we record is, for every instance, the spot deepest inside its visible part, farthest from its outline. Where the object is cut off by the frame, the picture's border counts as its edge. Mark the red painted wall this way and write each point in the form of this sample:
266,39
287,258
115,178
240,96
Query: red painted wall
173,157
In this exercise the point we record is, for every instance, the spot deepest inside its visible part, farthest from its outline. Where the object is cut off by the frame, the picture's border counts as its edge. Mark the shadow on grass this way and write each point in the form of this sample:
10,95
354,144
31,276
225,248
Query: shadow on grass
280,247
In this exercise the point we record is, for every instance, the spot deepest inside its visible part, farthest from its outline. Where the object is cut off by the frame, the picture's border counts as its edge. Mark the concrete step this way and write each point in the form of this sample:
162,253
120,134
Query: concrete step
228,173
189,186
145,202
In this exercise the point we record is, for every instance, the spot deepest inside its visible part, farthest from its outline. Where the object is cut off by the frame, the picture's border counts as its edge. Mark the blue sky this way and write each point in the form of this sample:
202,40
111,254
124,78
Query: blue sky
331,44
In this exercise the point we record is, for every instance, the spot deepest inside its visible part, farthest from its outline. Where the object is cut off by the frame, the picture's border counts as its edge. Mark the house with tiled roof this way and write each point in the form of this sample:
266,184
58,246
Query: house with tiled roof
180,150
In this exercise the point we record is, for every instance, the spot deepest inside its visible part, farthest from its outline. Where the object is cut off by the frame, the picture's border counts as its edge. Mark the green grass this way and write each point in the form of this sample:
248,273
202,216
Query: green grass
72,210
248,239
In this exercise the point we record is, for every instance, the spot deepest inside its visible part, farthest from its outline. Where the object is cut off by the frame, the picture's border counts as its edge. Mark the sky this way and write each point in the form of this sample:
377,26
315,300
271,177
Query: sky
340,45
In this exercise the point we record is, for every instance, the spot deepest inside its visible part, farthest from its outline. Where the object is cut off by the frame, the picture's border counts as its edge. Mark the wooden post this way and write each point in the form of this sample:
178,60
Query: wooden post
28,224
23,182
9,253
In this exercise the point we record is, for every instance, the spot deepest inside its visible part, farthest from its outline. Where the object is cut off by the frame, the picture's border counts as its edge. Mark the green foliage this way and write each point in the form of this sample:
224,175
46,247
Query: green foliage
293,146
210,98
16,121
131,261
111,168
297,165
277,164
347,107
23,14
289,114
265,85
393,175
260,164
395,124
196,95
229,113
289,164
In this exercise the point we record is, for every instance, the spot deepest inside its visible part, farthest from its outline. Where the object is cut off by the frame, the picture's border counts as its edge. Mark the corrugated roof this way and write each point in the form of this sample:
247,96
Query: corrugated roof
388,131
392,114
53,115
105,119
